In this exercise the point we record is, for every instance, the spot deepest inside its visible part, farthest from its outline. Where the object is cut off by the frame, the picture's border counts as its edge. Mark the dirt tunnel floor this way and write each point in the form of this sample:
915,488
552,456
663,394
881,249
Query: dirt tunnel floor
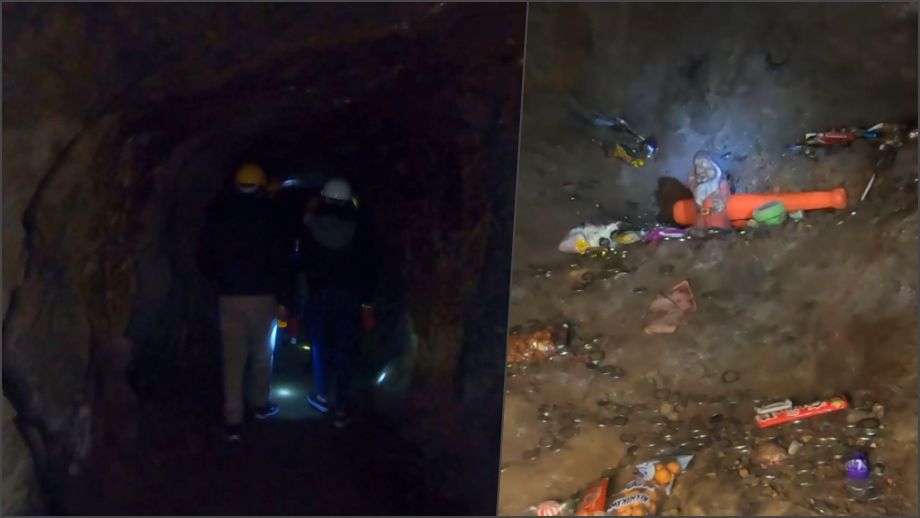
803,311
295,463
282,467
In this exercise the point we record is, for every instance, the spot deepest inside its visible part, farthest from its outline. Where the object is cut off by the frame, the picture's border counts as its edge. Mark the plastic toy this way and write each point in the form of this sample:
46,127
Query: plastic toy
741,206
772,213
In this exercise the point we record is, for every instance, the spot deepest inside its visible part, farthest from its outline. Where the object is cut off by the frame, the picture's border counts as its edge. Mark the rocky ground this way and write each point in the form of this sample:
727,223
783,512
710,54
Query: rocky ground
296,463
803,311
791,321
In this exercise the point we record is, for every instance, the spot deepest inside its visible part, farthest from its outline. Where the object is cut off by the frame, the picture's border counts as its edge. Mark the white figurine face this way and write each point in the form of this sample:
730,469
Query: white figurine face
704,170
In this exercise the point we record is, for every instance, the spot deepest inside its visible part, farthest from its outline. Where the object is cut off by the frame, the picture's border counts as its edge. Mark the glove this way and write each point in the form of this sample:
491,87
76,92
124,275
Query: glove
368,319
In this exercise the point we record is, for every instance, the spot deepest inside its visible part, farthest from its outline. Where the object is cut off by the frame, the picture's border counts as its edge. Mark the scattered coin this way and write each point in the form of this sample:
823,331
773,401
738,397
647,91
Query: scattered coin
620,420
658,421
730,376
547,441
822,507
596,356
870,423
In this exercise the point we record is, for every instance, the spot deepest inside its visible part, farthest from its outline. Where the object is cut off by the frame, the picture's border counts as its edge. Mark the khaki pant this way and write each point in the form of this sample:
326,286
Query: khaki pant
245,326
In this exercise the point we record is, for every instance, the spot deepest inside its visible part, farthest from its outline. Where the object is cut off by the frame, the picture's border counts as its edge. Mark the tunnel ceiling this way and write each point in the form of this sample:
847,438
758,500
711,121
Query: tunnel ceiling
256,69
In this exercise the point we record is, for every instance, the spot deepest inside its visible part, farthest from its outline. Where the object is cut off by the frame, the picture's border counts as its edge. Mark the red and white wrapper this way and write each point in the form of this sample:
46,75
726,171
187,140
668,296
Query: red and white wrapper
795,413
549,508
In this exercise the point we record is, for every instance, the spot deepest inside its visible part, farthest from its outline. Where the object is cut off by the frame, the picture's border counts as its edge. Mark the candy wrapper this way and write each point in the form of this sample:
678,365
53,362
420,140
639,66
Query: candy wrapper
667,311
594,500
553,508
580,239
534,346
786,413
660,233
653,481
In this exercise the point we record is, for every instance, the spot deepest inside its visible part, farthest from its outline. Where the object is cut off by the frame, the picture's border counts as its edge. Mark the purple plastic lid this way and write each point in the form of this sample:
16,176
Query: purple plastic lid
659,233
857,465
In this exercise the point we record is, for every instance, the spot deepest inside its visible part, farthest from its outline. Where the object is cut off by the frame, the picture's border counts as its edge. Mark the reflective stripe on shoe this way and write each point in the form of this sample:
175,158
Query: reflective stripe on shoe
232,433
318,402
264,413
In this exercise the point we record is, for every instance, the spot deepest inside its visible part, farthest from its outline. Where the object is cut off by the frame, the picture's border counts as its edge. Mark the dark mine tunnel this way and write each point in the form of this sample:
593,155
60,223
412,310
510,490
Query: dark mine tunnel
123,123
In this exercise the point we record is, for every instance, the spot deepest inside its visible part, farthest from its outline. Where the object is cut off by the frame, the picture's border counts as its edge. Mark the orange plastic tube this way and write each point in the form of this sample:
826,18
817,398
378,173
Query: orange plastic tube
741,206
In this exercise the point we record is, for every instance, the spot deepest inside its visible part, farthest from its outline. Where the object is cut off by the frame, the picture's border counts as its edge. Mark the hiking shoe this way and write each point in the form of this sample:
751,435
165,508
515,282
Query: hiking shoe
319,403
266,411
233,433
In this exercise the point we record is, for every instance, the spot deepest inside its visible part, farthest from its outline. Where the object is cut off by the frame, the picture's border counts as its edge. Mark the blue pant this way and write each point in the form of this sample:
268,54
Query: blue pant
334,320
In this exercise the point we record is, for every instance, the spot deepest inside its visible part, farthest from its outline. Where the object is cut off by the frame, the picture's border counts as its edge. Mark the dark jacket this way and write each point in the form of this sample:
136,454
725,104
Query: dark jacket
244,250
337,253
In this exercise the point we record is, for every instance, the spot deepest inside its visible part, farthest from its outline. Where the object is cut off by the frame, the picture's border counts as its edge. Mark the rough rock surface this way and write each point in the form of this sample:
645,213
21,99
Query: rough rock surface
21,489
122,121
800,311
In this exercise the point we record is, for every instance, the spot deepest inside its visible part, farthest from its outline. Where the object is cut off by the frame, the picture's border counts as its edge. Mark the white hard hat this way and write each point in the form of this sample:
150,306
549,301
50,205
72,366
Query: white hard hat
336,189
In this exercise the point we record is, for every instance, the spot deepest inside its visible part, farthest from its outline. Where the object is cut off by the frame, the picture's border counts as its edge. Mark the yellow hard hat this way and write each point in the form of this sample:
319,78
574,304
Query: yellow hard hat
251,174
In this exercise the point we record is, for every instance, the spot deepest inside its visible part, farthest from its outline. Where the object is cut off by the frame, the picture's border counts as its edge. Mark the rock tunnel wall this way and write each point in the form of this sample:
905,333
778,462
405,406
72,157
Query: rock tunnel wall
744,81
121,122
741,79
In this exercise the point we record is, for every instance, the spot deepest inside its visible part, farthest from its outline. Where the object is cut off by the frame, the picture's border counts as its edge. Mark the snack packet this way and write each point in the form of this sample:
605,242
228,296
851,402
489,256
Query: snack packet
594,499
653,481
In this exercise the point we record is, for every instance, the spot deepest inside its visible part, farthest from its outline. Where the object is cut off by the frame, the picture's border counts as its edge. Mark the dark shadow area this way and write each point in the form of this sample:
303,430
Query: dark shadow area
122,125
670,190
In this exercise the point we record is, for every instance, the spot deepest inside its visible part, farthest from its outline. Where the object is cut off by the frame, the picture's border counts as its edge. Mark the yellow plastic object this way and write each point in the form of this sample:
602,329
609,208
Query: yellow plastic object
251,174
581,245
620,152
628,238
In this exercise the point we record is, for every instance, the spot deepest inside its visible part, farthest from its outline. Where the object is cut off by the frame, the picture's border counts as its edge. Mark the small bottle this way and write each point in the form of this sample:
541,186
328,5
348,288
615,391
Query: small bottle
857,469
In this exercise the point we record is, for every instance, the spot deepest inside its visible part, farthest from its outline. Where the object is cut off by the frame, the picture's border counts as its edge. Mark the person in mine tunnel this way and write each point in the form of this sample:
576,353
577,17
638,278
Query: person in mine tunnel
242,254
338,263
